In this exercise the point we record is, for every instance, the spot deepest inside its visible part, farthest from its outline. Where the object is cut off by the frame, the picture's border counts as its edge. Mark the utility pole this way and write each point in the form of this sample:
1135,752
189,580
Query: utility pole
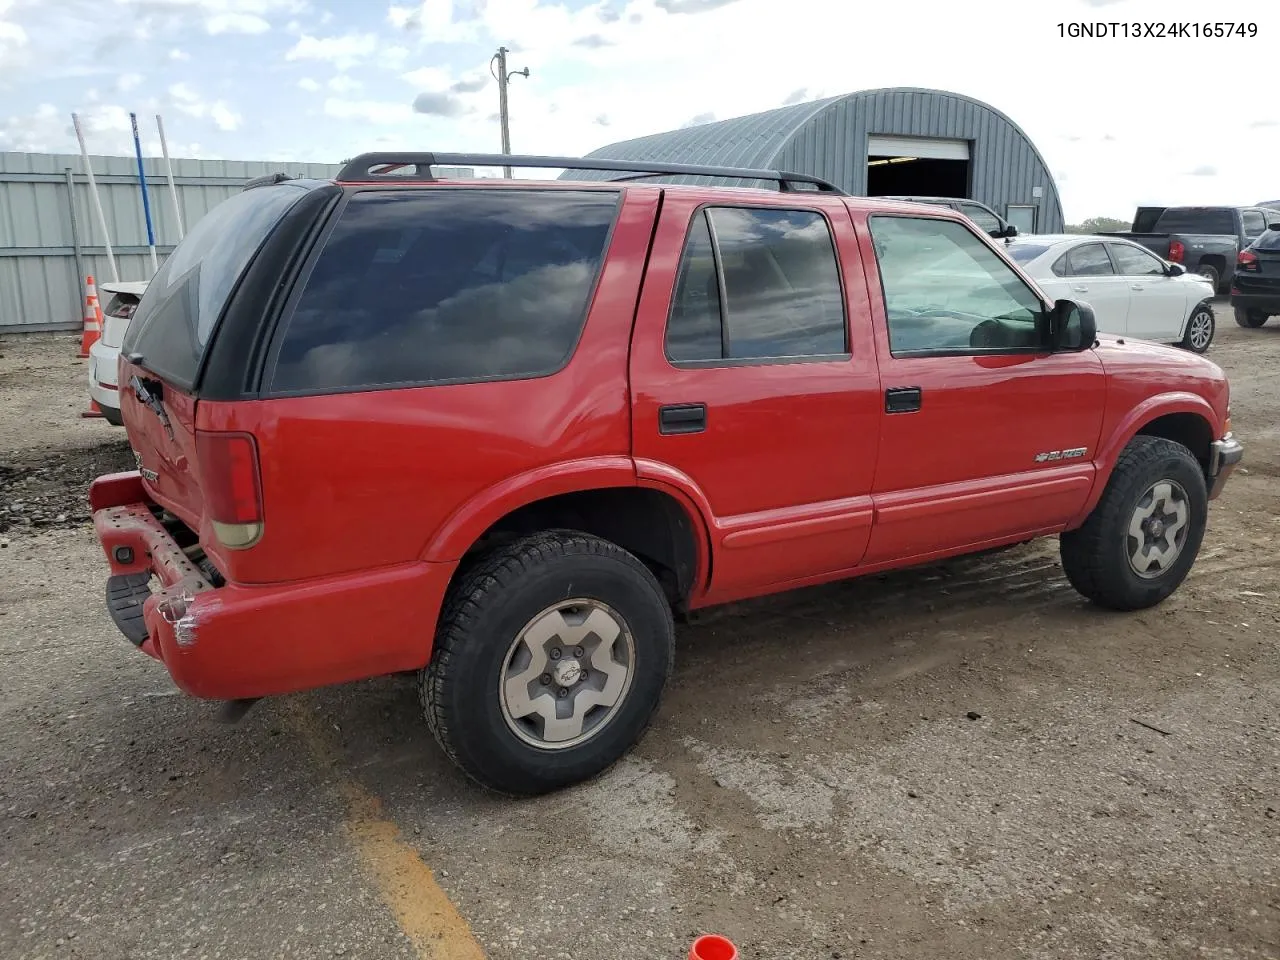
504,78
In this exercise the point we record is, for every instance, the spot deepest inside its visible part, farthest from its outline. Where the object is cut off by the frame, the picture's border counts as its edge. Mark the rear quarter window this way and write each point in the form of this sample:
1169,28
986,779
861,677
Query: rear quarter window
446,285
174,321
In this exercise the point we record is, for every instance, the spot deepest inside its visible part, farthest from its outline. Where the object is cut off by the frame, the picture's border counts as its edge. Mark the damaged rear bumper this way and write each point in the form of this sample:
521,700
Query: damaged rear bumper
237,641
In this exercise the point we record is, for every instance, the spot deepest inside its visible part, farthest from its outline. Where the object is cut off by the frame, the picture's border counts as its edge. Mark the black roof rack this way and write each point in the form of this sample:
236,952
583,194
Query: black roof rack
267,180
416,167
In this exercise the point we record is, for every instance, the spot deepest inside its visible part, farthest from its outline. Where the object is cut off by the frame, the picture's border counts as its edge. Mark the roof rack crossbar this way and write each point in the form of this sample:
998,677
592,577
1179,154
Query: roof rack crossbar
267,180
362,168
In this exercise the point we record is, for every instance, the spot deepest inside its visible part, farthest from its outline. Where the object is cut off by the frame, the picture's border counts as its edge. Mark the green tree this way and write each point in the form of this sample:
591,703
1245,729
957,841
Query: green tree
1098,225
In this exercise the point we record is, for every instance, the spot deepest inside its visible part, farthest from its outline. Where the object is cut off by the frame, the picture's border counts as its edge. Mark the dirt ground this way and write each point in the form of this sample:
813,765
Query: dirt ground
950,762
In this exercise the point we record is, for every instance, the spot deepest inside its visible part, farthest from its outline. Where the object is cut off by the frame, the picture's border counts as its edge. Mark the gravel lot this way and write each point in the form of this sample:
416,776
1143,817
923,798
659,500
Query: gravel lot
938,763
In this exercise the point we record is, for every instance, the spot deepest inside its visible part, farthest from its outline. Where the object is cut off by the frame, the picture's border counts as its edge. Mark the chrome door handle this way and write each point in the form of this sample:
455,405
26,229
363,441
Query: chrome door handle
1080,289
1136,286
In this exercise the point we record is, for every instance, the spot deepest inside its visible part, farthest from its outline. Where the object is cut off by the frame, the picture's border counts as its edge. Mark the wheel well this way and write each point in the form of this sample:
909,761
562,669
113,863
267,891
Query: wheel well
1216,261
648,523
1189,429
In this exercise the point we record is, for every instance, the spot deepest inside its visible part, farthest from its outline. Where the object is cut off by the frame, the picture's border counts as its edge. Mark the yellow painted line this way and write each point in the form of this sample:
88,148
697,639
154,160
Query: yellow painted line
407,885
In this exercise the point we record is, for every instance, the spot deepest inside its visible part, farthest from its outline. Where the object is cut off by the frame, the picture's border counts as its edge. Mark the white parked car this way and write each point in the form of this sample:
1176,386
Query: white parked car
1132,291
118,300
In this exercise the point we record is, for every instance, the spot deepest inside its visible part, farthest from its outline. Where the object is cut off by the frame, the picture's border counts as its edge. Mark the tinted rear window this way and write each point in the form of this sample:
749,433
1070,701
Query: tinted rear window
184,300
1270,240
446,285
1195,220
121,305
1024,252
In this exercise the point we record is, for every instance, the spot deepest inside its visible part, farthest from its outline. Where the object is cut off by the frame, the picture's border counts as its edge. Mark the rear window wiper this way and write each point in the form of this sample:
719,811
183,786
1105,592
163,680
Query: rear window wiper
152,401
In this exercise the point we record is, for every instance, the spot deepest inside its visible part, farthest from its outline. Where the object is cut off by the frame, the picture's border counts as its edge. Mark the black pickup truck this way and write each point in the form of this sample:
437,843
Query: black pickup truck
1205,240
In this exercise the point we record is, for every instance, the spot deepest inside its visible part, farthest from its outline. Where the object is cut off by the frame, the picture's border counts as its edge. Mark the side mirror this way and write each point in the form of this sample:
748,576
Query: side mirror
1009,230
1175,270
1072,326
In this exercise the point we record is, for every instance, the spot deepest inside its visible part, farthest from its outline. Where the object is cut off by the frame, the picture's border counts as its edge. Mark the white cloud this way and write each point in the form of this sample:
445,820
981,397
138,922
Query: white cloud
436,21
128,81
188,101
177,54
12,38
233,22
343,52
344,84
224,117
309,85
370,111
428,78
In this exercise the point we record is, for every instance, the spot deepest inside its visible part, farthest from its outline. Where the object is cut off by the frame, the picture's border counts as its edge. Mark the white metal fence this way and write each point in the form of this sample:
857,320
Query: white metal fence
49,233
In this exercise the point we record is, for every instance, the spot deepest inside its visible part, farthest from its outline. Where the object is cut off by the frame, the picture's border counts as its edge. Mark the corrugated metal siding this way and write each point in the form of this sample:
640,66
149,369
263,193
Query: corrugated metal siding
39,288
828,138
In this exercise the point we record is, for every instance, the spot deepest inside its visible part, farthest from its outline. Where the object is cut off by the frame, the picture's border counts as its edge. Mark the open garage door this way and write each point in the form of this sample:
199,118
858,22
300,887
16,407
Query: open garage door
917,167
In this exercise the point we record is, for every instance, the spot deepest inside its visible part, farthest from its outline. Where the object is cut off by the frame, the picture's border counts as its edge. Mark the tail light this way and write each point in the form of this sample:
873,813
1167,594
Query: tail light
232,486
1247,260
1176,251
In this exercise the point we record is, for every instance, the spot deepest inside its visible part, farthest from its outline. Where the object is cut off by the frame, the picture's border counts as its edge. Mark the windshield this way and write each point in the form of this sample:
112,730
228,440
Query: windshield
183,302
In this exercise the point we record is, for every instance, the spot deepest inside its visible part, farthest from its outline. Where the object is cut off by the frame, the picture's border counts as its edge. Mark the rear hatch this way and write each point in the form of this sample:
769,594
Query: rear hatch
165,346
1258,269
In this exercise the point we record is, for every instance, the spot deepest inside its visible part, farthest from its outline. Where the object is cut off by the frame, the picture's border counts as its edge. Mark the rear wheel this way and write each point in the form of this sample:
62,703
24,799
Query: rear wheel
1250,318
1199,329
1137,545
550,661
1210,273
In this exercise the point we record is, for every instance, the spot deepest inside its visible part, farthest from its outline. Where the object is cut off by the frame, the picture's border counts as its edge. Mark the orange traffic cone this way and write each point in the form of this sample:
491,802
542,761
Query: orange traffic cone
92,318
711,946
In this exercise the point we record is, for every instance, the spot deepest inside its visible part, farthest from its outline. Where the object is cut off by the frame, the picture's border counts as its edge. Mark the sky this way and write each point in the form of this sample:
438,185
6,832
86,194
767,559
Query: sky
1120,122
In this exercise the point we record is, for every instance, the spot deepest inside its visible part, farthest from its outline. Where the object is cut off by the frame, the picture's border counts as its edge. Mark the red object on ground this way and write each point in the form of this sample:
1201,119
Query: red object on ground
711,946
92,318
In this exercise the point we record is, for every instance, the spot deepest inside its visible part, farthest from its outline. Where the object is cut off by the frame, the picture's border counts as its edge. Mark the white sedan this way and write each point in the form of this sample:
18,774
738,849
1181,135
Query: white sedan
121,300
1132,291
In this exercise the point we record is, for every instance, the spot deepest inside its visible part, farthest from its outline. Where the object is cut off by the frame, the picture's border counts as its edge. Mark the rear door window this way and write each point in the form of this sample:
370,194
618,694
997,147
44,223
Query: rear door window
781,288
184,300
1089,260
446,285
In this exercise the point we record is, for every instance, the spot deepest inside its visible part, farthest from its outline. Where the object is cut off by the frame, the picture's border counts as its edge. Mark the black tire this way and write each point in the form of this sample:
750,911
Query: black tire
1095,557
484,613
112,415
1212,274
1251,319
1201,311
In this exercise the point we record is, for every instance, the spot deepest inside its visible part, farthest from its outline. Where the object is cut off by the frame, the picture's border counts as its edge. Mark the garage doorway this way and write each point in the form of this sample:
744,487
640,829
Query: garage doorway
917,167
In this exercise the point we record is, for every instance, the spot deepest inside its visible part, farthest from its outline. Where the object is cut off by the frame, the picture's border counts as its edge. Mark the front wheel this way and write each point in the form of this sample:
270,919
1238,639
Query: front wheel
550,660
1141,539
1250,319
1199,330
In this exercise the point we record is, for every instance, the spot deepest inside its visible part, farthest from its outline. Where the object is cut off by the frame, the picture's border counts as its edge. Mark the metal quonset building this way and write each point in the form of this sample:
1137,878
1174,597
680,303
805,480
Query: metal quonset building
893,141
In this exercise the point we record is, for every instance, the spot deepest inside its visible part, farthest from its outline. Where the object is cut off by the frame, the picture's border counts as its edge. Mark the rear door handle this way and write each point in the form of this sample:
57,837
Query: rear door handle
1080,289
1136,286
682,418
902,399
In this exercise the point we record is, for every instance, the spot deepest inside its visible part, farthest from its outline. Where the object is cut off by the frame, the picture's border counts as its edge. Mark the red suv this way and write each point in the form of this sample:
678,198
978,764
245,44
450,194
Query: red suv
500,432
